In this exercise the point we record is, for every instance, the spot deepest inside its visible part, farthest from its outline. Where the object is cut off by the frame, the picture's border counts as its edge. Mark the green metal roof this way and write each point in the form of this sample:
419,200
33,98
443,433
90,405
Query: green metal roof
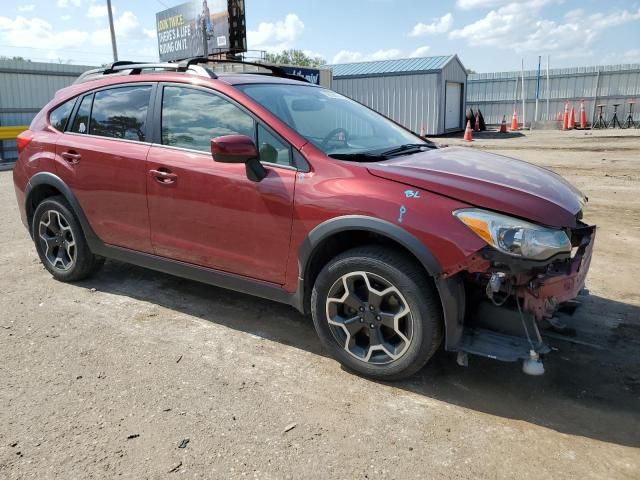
382,67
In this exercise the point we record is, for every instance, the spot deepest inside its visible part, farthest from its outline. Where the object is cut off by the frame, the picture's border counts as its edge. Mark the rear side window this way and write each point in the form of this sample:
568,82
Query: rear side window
60,115
81,120
191,118
121,112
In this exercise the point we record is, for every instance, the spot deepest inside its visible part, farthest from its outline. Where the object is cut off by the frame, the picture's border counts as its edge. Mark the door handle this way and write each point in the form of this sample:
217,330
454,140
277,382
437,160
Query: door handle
163,177
71,156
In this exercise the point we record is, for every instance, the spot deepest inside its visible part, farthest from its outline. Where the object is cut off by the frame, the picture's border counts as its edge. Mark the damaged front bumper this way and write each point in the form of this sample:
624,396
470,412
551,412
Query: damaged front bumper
545,294
507,299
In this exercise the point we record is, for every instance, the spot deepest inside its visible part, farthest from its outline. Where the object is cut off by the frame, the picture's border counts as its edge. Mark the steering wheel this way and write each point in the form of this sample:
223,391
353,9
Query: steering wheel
333,133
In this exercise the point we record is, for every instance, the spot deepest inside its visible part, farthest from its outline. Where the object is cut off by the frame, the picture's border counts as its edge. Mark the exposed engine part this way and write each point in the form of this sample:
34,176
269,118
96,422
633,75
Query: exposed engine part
533,365
494,285
496,281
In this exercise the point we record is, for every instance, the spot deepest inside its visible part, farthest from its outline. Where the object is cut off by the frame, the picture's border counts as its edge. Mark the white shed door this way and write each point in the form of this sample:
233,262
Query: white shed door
452,103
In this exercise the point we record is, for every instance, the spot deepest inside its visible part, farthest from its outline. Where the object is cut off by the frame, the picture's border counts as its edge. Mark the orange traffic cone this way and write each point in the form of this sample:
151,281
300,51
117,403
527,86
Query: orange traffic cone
572,119
476,125
514,121
468,136
565,117
503,125
583,116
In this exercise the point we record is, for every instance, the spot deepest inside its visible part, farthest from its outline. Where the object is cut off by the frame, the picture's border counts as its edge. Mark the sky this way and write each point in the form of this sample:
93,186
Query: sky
487,35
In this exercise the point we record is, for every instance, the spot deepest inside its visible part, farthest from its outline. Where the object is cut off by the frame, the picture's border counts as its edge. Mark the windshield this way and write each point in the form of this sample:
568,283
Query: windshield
338,126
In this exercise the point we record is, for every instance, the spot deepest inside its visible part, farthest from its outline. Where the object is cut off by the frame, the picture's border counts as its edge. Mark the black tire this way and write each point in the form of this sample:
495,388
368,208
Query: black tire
416,289
84,263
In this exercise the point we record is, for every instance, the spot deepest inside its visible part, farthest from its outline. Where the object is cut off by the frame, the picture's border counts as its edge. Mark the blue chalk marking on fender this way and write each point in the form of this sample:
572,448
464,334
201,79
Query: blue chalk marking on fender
412,193
403,210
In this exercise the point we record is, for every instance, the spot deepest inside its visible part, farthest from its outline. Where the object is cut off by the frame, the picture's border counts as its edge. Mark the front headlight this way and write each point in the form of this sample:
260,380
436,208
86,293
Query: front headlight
514,236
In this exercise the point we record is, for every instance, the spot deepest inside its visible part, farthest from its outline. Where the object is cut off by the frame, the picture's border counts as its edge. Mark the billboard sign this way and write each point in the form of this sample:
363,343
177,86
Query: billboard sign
197,28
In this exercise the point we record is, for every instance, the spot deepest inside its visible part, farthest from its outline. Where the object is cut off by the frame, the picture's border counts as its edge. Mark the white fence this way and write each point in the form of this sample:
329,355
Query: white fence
498,94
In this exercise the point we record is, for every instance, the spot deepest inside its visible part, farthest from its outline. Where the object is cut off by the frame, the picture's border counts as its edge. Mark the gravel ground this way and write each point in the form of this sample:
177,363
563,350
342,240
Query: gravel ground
111,376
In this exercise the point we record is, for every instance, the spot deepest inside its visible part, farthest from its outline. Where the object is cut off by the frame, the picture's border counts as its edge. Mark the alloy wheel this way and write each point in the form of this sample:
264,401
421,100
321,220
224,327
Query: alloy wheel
57,240
369,317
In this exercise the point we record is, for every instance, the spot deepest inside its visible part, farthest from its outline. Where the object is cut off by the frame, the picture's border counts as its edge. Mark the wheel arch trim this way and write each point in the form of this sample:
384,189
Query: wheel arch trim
450,290
365,223
49,179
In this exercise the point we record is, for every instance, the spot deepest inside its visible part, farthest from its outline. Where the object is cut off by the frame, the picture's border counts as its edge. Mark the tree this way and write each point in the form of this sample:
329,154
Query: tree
469,71
294,57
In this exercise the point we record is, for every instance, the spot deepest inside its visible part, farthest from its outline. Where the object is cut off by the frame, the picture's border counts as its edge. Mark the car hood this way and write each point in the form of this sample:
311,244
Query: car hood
488,181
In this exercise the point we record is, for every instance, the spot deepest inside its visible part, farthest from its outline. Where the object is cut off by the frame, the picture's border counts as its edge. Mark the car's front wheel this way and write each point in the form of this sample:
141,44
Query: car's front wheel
60,242
377,312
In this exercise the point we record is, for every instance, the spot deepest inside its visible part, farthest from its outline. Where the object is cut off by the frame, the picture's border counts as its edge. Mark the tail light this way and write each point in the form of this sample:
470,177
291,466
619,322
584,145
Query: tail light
23,140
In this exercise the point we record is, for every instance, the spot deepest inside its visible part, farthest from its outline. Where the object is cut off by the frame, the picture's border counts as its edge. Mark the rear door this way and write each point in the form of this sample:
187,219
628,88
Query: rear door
104,153
208,213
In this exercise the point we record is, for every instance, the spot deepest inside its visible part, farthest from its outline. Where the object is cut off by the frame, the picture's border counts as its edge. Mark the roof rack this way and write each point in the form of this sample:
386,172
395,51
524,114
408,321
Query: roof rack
189,65
274,69
135,68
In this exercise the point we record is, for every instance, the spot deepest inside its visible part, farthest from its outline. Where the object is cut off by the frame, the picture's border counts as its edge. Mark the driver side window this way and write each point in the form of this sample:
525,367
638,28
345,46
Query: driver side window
191,118
271,149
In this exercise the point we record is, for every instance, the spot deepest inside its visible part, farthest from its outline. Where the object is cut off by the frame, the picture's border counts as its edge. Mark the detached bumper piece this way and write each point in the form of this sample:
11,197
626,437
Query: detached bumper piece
499,346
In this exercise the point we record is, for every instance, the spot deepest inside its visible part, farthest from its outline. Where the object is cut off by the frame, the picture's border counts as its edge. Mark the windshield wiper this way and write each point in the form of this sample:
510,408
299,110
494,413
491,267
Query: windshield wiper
408,148
359,157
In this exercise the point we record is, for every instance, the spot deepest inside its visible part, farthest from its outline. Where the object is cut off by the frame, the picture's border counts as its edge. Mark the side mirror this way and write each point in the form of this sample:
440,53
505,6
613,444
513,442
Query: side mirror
238,149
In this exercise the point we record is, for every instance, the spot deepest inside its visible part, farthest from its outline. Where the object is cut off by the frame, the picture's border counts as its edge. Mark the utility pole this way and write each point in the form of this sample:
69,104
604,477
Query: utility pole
113,32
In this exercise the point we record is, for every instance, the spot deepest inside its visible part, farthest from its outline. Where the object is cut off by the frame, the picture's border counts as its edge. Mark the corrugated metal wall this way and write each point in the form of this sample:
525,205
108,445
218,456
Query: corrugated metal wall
411,100
496,94
25,87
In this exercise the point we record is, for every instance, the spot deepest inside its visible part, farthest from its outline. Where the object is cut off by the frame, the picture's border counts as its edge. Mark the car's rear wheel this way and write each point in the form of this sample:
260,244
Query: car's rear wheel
60,242
377,312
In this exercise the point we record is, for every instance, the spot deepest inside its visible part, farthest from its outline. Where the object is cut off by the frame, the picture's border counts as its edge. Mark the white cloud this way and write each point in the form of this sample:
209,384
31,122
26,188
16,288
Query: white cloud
40,40
278,36
27,8
385,54
126,26
438,25
65,17
470,4
350,56
35,32
67,3
98,11
524,29
420,51
628,56
151,33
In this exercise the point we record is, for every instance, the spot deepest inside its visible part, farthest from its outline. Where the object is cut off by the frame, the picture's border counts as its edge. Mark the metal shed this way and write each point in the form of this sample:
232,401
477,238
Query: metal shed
423,94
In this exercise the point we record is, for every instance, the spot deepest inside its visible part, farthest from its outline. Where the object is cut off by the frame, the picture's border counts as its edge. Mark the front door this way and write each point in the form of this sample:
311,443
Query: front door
209,213
104,151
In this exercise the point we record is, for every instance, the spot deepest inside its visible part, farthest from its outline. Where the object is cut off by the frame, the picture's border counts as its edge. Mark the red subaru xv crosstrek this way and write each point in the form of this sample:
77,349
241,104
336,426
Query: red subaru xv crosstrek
271,186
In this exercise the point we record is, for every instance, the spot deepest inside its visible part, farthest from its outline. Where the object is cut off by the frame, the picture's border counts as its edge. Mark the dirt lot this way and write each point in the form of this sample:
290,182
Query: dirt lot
107,377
